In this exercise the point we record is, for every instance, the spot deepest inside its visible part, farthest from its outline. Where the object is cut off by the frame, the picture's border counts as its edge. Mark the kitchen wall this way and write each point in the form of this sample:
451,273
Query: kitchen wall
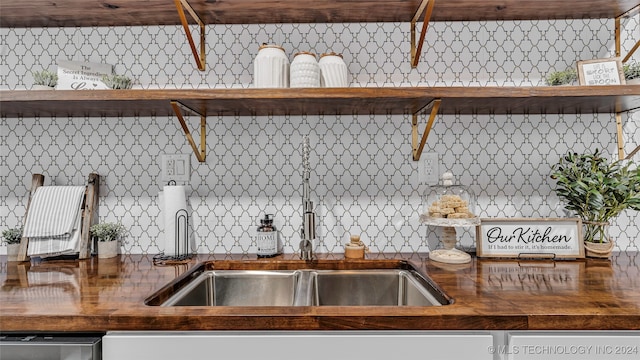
363,178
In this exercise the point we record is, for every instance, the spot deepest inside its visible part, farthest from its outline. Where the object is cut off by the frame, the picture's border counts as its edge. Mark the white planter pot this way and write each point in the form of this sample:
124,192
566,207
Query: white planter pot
108,249
635,81
42,87
12,252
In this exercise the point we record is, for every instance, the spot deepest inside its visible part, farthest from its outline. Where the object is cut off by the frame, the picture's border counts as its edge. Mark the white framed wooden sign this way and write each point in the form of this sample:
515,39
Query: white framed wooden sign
530,238
77,75
601,72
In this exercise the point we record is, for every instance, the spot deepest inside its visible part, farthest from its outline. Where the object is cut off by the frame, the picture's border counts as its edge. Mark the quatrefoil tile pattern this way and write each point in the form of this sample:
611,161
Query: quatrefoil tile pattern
363,180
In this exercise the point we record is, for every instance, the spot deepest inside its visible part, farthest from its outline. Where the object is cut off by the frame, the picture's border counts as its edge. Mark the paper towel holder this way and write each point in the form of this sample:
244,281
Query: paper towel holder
182,234
182,252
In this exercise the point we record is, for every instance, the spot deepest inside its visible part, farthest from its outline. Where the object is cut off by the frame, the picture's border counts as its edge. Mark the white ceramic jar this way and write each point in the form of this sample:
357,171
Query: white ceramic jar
305,71
271,67
333,70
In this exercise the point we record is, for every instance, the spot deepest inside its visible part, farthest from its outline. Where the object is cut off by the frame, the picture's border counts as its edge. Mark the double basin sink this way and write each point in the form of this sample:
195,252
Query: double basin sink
393,283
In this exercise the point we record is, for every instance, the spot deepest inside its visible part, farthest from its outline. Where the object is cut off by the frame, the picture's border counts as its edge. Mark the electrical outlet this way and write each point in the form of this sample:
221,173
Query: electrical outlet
170,167
176,167
429,169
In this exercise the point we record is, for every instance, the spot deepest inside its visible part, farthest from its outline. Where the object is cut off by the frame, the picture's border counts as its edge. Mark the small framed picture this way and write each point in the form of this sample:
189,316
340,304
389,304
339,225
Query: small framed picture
601,72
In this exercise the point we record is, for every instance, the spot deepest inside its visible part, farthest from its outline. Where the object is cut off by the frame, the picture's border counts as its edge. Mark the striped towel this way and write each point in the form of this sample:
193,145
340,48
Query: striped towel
53,221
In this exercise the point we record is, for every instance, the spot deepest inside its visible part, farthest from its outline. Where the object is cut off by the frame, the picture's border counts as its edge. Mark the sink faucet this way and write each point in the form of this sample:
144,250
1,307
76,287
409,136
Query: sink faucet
308,216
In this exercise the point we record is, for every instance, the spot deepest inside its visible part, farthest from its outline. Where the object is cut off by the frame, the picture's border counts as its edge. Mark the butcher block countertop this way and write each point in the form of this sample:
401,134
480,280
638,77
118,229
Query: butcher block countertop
109,294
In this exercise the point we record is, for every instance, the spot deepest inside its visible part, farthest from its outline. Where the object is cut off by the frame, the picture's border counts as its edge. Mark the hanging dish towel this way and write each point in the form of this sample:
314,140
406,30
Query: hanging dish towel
53,221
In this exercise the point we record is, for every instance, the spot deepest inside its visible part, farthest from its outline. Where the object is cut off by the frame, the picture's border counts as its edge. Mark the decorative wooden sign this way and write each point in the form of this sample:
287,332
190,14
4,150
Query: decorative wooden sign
75,75
601,72
530,238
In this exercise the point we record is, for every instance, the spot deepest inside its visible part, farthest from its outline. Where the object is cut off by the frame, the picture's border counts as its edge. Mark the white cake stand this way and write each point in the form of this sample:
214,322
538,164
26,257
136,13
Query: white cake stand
450,254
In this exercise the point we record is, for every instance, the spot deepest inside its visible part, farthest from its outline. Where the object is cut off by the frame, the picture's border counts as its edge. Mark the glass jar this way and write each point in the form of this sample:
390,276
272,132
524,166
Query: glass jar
449,204
596,232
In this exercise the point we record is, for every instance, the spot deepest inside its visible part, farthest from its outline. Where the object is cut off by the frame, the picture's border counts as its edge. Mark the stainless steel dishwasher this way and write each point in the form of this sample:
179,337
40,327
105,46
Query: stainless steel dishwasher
71,346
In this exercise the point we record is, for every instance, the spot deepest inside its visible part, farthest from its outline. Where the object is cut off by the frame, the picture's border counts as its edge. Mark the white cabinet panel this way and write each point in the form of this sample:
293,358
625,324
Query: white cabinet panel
582,345
276,345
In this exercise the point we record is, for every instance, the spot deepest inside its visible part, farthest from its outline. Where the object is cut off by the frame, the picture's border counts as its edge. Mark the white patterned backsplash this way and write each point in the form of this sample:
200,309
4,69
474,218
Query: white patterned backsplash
363,178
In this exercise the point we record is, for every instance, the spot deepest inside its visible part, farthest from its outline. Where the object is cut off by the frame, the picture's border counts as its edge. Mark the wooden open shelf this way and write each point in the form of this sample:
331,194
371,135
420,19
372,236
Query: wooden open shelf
72,13
344,101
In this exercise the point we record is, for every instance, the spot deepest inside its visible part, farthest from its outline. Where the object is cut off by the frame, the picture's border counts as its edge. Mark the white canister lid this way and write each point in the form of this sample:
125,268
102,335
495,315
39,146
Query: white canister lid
331,54
305,53
271,46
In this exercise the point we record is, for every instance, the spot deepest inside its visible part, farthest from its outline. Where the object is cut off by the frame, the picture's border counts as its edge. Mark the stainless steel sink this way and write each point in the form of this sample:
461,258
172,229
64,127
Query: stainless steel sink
306,287
389,287
238,288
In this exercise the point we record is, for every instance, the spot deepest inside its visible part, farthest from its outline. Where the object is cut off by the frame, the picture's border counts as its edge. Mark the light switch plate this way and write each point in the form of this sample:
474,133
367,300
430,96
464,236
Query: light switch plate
176,167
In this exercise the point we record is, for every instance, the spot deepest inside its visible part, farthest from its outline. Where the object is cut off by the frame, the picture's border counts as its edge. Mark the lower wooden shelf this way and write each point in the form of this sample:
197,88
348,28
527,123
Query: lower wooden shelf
324,101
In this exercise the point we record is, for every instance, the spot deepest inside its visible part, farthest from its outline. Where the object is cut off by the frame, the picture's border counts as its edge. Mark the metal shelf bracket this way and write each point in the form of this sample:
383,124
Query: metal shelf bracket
620,132
418,146
415,52
633,11
201,152
200,58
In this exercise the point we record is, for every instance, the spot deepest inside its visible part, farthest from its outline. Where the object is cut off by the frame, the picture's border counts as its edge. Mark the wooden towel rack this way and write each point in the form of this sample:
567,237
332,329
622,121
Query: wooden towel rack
89,217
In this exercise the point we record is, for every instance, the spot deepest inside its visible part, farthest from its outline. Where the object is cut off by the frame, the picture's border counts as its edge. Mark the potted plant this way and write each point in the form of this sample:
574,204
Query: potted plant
44,80
108,235
566,77
632,73
117,81
12,238
597,191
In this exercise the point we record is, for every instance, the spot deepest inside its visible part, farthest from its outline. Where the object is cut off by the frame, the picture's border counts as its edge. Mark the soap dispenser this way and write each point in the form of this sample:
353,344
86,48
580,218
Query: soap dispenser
267,238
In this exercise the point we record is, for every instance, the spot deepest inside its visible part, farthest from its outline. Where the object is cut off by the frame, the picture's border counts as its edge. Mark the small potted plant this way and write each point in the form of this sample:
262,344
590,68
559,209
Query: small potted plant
632,73
597,191
566,77
117,81
44,80
108,235
12,238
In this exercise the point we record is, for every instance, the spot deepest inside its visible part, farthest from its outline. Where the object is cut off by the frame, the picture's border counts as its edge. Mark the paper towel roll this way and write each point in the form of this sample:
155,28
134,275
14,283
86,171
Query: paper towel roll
173,199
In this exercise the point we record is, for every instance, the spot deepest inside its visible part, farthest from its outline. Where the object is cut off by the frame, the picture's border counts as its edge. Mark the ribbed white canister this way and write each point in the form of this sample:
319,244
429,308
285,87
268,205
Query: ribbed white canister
333,70
305,71
271,67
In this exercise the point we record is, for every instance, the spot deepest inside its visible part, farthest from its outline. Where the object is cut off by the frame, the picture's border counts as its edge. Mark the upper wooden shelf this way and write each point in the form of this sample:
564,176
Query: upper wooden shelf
72,13
345,101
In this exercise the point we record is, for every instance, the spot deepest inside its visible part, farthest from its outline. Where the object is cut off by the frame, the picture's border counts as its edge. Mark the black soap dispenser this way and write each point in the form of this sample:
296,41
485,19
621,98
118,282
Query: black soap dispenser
267,238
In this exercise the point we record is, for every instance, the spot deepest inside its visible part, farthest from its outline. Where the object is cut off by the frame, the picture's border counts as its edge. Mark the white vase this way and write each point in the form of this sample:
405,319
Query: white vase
12,252
333,70
305,71
271,67
42,87
108,249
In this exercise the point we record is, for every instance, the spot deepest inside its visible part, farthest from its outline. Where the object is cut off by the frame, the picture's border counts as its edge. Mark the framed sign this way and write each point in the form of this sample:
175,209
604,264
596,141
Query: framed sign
530,238
75,75
601,72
